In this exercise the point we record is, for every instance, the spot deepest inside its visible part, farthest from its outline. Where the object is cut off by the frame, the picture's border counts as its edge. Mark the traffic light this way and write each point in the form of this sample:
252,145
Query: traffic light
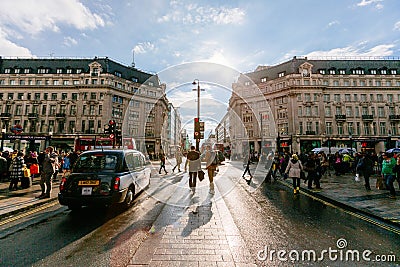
111,126
118,136
196,128
107,129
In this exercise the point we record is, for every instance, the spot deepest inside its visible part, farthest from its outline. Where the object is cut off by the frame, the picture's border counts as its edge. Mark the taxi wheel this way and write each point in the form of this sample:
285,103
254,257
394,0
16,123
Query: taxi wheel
128,202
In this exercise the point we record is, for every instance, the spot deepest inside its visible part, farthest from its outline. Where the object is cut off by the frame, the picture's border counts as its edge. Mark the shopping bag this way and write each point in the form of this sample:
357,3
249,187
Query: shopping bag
357,177
200,173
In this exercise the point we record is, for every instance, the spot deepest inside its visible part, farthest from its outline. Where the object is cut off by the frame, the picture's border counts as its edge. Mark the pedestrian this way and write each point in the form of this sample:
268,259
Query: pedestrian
211,163
16,172
33,164
396,170
66,163
313,169
247,162
3,167
26,181
193,160
365,166
178,158
337,165
388,163
50,160
162,163
293,170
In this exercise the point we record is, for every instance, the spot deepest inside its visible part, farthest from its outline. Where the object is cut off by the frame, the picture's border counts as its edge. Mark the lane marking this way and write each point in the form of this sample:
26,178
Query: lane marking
25,214
359,216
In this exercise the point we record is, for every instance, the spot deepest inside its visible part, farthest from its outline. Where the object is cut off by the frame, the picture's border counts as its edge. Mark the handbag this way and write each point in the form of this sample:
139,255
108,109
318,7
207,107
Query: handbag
302,175
200,173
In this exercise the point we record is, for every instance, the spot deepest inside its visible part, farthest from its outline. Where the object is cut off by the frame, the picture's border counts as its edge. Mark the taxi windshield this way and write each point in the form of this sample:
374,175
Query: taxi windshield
96,162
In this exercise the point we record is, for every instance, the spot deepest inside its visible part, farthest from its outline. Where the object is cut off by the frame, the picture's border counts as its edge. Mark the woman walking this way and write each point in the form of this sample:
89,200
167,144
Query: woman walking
17,172
388,164
293,169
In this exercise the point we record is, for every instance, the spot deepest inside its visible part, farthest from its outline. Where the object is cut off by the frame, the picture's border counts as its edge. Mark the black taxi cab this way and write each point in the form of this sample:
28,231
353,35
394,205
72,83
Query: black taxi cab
105,178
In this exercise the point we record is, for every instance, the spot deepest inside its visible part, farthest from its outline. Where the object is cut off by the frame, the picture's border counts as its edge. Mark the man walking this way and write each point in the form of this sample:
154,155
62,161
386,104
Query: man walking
49,167
193,160
178,158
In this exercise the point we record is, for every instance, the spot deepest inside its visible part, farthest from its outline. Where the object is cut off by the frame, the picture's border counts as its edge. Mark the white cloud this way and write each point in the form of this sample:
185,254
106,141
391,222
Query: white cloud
69,41
377,3
9,48
333,23
397,26
351,51
195,14
143,48
33,18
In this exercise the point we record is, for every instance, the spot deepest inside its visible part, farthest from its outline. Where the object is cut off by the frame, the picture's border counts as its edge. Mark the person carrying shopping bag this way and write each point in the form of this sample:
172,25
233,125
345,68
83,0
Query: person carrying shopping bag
293,170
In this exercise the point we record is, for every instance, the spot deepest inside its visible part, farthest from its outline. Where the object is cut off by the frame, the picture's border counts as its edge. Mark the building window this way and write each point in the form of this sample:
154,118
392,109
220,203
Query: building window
327,97
59,71
7,71
378,83
78,71
54,96
74,96
383,71
63,109
71,127
315,111
394,72
332,71
27,109
373,72
118,74
10,96
65,82
92,110
382,128
364,111
56,82
300,111
44,110
264,79
69,71
73,110
390,98
358,71
322,72
340,129
338,110
75,82
392,111
328,111
347,98
350,128
342,72
308,111
335,83
281,74
92,96
349,112
18,110
37,96
46,96
100,109
64,96
363,98
20,96
336,98
307,97
328,127
12,82
357,112
381,112
52,110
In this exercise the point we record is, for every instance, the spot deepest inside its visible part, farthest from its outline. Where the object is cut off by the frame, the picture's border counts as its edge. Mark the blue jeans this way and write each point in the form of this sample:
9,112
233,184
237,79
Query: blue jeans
389,179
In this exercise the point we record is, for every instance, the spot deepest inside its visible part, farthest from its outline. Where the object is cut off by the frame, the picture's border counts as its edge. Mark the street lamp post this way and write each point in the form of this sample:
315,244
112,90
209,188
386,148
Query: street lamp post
196,81
3,133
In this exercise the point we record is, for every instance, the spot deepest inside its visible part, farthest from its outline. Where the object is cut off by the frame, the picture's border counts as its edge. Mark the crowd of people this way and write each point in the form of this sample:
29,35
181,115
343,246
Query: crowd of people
20,169
312,167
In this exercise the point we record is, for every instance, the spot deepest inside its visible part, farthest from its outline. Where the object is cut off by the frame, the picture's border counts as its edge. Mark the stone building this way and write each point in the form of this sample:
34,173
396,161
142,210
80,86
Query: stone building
66,98
318,102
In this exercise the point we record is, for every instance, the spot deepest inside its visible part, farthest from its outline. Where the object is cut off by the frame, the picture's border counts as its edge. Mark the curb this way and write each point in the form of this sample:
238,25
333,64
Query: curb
344,205
27,207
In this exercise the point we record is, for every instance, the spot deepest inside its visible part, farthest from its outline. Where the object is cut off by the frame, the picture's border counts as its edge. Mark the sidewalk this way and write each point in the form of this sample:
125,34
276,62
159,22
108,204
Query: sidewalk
13,202
345,192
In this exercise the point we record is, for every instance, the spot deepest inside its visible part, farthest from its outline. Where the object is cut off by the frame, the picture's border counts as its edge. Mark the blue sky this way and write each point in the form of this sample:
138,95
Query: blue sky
241,34
164,35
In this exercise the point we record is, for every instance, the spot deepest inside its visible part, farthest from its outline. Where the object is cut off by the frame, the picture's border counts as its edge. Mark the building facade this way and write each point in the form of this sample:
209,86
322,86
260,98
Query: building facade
69,98
320,102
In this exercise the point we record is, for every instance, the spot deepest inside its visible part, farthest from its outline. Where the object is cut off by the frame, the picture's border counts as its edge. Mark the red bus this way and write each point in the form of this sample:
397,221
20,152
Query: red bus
91,143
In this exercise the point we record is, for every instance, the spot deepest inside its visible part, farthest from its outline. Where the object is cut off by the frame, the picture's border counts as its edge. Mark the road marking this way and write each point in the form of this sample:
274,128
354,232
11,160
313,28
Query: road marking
24,214
362,217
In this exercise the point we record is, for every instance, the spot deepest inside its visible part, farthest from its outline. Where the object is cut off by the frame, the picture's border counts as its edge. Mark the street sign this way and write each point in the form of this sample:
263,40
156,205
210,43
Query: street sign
111,136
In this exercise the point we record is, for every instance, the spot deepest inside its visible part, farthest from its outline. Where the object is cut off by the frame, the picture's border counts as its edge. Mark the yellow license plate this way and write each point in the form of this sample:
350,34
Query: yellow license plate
89,182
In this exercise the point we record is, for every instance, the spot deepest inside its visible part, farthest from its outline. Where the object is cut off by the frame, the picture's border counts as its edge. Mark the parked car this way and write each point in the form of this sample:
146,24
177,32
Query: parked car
105,177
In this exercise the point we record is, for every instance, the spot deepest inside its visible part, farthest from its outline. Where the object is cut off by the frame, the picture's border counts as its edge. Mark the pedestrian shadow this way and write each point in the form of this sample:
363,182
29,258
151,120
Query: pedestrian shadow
199,217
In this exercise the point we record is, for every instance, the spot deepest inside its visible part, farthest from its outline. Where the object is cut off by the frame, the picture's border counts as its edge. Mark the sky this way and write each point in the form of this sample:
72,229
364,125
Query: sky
160,35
